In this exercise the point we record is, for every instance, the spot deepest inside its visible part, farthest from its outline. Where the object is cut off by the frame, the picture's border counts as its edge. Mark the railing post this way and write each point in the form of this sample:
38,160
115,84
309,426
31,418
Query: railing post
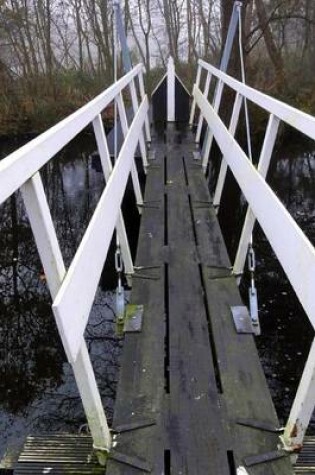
134,173
170,90
209,135
263,166
205,93
135,107
107,169
302,408
223,169
193,106
142,94
48,247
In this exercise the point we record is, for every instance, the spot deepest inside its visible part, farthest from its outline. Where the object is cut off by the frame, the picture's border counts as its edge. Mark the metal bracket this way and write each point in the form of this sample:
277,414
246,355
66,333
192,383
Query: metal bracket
242,320
219,272
201,204
266,457
147,275
137,268
133,318
149,204
132,461
197,155
260,425
139,424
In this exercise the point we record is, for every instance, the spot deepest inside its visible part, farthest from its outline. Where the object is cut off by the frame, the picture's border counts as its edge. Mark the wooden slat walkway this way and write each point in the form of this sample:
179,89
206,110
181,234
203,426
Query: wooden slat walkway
188,371
58,454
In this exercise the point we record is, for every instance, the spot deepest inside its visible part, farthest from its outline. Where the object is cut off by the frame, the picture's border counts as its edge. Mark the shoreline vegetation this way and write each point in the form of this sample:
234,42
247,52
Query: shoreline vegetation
55,56
28,107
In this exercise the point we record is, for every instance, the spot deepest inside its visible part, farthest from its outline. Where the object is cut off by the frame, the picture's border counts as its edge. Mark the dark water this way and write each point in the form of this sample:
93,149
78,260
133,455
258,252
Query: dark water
286,331
37,390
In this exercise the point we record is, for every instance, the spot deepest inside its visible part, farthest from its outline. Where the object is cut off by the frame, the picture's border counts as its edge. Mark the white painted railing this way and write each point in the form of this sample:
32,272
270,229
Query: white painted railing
73,290
293,249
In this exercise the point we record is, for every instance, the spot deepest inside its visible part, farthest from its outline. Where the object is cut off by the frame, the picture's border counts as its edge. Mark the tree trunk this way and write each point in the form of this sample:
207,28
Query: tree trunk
273,51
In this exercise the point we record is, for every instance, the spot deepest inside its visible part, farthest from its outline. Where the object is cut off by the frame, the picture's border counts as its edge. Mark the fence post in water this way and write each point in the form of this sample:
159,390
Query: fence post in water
48,247
302,408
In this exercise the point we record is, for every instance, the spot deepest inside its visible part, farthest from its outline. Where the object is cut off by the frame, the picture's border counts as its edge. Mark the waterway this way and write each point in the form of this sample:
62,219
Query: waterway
37,389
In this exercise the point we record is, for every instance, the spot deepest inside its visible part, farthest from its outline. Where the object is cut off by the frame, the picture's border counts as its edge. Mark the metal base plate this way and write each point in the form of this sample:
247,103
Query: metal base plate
133,318
242,320
197,155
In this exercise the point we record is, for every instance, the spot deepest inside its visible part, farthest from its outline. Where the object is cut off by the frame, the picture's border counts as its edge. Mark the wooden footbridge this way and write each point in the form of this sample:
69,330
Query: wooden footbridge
192,397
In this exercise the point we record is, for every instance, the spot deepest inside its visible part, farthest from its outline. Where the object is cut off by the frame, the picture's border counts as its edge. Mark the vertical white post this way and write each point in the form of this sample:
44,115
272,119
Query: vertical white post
107,169
193,106
205,93
142,94
48,247
134,173
223,169
303,406
170,90
209,135
135,107
263,166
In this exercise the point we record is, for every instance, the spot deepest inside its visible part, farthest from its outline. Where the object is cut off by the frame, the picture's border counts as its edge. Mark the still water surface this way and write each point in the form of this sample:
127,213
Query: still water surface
37,389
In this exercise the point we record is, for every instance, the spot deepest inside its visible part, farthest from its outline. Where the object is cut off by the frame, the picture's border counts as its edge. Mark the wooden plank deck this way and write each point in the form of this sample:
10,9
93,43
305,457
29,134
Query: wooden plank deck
188,373
188,379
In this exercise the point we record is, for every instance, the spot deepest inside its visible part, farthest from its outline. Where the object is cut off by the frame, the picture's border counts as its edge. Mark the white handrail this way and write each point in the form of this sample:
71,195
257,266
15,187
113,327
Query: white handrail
20,165
296,254
76,294
73,291
288,114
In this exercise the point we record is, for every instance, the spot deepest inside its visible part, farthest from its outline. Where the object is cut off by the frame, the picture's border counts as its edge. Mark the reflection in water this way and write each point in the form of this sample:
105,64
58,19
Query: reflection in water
37,388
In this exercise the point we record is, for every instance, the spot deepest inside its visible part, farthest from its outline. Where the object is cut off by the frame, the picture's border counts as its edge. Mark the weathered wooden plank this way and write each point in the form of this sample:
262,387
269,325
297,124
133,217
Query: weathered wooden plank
196,434
207,377
141,388
245,392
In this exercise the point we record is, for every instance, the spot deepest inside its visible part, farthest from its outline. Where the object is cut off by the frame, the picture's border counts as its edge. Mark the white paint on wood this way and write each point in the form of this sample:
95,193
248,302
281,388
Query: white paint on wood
48,247
200,120
135,107
142,94
209,135
107,170
223,168
296,255
263,166
299,120
74,300
170,90
134,174
303,406
20,165
193,106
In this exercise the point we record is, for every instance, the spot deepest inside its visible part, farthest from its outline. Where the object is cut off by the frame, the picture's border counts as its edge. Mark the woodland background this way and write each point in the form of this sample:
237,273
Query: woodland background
57,54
